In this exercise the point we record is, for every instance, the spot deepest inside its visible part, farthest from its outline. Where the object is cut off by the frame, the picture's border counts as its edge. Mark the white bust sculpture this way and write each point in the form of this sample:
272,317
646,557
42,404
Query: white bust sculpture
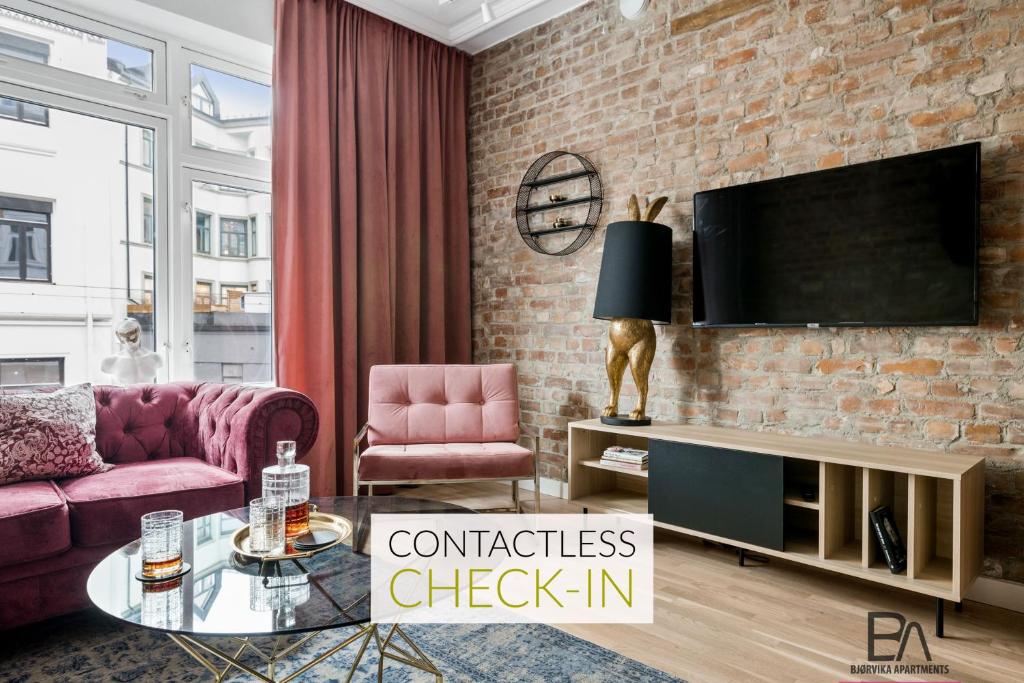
133,364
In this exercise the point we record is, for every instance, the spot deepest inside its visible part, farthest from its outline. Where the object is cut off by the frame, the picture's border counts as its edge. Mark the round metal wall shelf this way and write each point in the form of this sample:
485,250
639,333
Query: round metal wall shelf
533,236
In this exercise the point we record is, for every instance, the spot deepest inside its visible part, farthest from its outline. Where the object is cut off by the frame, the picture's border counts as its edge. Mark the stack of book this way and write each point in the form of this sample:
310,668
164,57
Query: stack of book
624,458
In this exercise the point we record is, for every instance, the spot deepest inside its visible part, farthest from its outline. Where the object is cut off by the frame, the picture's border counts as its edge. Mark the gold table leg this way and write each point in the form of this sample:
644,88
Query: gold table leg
212,658
396,645
390,650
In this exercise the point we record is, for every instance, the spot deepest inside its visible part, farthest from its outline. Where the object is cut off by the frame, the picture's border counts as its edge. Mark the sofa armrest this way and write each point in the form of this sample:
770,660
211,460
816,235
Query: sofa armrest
239,428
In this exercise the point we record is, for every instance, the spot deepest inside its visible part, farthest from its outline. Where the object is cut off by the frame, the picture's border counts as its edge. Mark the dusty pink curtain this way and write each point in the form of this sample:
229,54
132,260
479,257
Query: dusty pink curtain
371,217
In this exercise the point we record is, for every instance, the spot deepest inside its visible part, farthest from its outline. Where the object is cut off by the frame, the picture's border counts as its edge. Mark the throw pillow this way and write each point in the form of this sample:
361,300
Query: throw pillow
49,435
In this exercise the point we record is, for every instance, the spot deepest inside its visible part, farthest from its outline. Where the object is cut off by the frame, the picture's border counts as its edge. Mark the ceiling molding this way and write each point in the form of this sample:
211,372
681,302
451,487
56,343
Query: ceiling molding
401,14
460,23
511,17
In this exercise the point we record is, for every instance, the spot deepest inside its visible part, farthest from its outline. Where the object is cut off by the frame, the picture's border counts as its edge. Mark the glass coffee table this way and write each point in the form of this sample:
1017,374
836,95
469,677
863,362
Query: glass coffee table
236,599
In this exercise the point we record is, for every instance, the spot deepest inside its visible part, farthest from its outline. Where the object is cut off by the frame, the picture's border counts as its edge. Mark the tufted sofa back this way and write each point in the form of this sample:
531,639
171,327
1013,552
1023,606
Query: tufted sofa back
148,421
410,404
230,426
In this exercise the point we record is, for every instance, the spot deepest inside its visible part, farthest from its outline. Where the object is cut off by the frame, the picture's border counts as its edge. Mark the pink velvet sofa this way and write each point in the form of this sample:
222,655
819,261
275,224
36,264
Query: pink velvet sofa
199,448
434,424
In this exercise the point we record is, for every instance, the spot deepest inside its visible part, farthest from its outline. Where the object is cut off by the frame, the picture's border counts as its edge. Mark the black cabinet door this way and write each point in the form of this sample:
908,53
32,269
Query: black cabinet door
732,494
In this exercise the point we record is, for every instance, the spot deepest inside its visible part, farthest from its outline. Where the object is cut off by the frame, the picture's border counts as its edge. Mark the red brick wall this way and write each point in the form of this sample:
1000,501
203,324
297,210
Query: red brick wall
787,87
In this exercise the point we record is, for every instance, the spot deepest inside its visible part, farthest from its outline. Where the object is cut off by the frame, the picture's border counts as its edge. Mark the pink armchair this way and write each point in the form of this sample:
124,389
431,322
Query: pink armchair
434,424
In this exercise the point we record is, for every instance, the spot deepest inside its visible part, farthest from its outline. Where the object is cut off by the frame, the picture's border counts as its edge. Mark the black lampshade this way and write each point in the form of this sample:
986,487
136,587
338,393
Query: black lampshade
636,272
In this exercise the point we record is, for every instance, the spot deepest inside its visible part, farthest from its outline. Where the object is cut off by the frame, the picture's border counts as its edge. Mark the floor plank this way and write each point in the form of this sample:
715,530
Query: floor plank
716,621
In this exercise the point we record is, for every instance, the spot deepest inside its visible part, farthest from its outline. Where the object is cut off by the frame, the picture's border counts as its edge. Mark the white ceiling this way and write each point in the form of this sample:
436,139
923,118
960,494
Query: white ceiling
460,22
250,18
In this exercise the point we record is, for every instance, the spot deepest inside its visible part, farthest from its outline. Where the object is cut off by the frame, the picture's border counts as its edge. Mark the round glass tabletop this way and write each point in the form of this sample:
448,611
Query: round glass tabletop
230,595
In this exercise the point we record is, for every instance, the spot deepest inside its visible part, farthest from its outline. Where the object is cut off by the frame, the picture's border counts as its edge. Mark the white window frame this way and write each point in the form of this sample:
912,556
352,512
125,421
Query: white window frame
201,157
167,110
186,239
163,281
45,76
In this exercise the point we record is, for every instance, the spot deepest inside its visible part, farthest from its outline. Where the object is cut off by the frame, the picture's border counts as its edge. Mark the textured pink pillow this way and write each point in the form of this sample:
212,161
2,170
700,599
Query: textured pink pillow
49,435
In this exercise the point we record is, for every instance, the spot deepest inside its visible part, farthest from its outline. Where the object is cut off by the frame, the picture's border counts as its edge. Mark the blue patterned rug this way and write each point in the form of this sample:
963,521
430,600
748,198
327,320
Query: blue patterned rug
93,647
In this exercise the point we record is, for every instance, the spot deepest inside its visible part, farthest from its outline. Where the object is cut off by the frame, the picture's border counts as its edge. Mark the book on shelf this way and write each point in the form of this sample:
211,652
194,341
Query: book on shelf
623,454
887,534
624,465
618,458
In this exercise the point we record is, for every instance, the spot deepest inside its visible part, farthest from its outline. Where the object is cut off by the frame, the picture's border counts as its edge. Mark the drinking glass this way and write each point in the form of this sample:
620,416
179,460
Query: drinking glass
266,525
161,543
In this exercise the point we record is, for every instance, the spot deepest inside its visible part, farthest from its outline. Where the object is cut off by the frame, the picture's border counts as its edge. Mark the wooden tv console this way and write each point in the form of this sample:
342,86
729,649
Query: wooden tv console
746,489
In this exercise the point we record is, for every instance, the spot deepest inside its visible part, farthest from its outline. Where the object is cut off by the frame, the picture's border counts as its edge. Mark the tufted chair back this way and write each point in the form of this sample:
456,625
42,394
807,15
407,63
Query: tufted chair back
416,404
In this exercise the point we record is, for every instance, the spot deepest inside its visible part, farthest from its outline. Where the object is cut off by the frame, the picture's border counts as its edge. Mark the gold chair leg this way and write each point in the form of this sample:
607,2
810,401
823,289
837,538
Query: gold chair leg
515,496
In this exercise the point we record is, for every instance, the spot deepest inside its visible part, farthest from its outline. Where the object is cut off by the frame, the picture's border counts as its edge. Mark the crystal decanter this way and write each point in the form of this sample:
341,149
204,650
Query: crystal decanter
290,482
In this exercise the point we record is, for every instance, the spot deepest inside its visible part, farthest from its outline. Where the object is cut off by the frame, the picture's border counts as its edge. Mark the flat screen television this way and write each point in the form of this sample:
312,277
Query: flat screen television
884,243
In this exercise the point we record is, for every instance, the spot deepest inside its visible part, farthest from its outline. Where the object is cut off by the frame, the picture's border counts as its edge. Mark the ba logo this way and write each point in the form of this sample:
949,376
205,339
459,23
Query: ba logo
901,635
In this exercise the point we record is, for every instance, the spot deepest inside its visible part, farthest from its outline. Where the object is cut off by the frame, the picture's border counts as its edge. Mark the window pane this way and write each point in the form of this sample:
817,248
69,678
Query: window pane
43,41
24,111
73,257
35,113
23,48
37,253
10,252
9,108
203,232
230,114
233,237
232,323
25,216
31,372
148,228
147,148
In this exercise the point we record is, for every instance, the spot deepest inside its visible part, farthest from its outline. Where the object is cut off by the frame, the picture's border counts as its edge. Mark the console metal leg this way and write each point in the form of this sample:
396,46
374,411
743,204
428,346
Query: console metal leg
940,616
745,555
959,606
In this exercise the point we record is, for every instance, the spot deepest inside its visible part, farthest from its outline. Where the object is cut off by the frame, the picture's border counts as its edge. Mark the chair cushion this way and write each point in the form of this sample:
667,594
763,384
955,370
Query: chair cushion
417,404
446,461
33,522
106,508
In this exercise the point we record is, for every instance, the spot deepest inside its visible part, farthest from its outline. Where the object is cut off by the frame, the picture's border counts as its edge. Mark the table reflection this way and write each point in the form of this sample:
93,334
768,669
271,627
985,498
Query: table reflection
163,604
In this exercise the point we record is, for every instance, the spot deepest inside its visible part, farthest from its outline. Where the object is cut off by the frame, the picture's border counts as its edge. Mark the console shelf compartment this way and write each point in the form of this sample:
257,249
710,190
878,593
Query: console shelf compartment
801,531
841,526
930,524
889,489
746,489
597,464
603,487
800,477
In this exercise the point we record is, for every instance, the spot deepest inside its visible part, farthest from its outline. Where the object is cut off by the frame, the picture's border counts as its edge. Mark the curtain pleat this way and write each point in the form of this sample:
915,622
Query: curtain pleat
371,211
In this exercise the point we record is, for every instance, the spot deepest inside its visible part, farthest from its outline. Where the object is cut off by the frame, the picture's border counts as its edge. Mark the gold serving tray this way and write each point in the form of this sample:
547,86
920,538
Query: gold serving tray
317,520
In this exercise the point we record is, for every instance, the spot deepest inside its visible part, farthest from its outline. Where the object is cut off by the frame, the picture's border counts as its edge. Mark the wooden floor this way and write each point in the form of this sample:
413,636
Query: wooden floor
715,621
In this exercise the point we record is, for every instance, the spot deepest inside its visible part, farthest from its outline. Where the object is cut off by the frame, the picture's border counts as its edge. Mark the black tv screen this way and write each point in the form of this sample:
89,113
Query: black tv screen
884,243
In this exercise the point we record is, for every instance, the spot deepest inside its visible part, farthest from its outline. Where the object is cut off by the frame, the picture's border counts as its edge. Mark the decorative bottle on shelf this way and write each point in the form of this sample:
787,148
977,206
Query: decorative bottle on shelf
290,482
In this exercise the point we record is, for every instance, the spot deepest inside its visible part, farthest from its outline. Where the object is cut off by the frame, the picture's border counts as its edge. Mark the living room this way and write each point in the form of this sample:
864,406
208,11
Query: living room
287,279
